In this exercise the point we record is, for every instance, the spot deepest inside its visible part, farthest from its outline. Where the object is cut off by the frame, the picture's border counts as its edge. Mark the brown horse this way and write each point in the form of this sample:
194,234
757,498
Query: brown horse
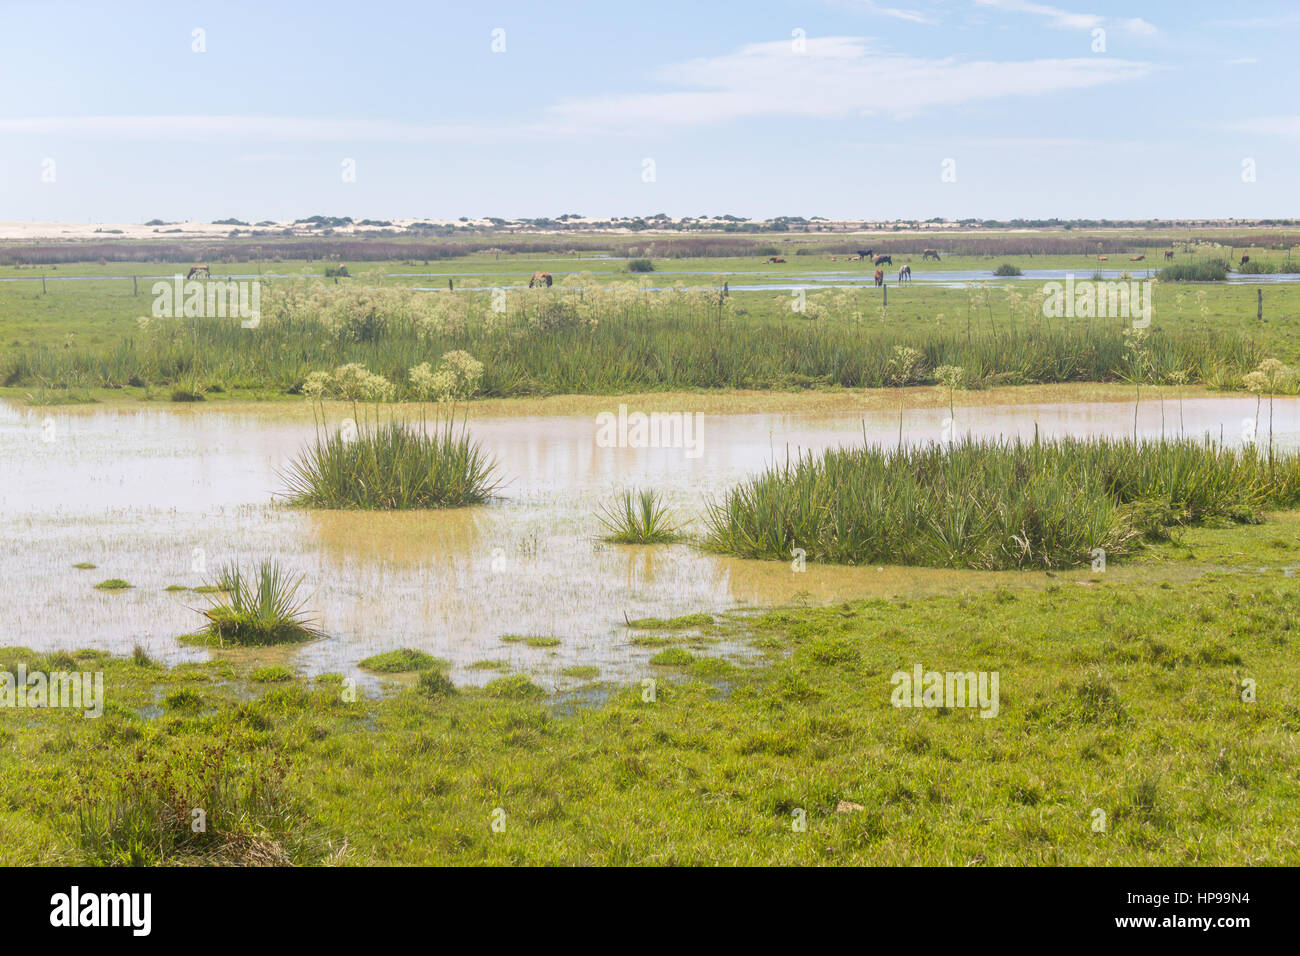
1169,255
540,279
775,259
880,277
930,254
1102,258
195,270
882,261
1136,258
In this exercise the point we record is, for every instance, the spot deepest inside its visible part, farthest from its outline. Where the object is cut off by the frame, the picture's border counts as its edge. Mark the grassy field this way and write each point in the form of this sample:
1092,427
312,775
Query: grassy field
1122,737
92,339
93,318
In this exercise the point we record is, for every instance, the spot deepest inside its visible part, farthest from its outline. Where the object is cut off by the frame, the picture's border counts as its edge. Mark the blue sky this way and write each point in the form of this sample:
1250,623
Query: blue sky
837,108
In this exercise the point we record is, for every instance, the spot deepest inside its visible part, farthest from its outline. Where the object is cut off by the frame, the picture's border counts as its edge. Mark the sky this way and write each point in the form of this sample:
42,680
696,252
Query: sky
902,109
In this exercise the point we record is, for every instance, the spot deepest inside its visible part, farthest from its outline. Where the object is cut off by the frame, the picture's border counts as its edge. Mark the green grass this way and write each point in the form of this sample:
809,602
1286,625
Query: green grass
994,505
638,518
261,606
391,467
271,674
541,642
113,584
1007,269
1123,696
671,624
402,661
1206,271
85,566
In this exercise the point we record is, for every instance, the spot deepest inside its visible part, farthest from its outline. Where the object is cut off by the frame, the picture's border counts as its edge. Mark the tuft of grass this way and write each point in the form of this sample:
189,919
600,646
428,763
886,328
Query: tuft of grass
434,684
85,566
403,661
514,687
140,657
143,814
673,657
271,674
638,518
1007,269
581,671
995,505
672,623
113,584
640,265
391,467
1208,271
542,641
175,587
262,607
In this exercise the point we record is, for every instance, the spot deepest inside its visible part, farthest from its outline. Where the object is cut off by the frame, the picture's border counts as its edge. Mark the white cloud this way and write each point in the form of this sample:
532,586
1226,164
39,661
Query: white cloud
1286,127
226,128
1066,20
836,77
867,6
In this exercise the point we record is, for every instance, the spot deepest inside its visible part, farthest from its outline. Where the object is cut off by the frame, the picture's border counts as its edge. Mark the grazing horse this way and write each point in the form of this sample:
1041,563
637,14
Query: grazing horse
540,279
930,254
905,274
195,270
880,277
1136,258
883,261
1169,255
1244,260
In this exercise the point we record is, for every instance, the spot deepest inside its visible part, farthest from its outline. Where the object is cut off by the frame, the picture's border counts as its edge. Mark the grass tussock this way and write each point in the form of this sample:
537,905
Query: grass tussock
994,505
261,606
391,467
402,661
1207,271
638,518
219,802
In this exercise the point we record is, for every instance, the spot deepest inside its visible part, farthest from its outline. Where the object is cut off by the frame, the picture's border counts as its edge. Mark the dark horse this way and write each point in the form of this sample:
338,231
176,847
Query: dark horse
866,253
883,261
1169,254
1244,260
540,279
930,254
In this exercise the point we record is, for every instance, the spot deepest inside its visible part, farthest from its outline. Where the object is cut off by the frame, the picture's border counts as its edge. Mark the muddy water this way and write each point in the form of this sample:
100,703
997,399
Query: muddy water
162,497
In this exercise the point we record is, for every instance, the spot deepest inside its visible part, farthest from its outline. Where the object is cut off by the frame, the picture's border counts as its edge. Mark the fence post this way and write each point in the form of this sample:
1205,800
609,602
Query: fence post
135,285
885,289
1259,309
42,283
450,287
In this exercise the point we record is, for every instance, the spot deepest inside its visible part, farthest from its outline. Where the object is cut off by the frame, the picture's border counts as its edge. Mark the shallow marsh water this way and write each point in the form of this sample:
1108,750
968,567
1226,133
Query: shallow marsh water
162,496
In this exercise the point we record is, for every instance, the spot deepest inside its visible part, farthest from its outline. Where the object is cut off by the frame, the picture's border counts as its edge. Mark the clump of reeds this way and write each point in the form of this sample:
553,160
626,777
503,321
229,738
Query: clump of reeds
1211,270
640,518
391,466
1007,269
994,505
261,606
